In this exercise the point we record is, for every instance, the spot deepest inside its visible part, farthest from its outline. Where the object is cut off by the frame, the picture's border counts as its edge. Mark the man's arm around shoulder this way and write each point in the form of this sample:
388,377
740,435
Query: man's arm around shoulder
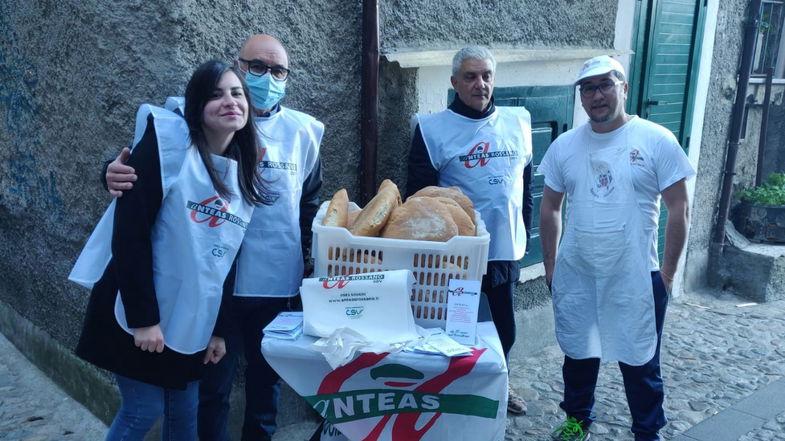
118,177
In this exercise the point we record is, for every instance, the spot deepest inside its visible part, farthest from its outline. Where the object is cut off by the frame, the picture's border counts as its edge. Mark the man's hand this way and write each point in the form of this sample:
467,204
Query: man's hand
149,339
120,177
667,281
216,350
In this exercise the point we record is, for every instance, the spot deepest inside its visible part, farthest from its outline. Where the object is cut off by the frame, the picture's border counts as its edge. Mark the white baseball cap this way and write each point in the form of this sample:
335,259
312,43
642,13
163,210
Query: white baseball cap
599,66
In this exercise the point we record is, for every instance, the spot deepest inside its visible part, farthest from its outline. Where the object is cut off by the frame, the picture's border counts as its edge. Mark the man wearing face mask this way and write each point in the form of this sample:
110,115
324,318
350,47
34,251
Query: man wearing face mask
270,266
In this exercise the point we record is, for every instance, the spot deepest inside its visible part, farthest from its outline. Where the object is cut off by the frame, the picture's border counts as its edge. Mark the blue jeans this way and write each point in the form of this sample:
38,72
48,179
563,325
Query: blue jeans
642,384
142,404
249,316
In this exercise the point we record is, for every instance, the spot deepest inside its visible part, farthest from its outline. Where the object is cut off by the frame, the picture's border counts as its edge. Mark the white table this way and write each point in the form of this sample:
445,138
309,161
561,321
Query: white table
403,396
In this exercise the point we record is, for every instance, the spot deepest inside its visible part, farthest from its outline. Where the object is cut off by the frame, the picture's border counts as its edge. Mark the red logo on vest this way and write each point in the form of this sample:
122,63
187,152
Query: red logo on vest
327,284
205,211
479,148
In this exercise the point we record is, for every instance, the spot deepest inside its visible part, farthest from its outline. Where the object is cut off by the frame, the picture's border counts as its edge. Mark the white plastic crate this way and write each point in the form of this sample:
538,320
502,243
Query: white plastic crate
337,252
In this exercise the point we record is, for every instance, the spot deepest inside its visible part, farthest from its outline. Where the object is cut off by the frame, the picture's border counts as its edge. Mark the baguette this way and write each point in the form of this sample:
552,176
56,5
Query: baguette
338,211
375,214
390,184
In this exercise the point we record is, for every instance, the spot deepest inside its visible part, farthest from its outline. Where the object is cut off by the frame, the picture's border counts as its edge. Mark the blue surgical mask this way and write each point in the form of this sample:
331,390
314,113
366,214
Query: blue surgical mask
266,91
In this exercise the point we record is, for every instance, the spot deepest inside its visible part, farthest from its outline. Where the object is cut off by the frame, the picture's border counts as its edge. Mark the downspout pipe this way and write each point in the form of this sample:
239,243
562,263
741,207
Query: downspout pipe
750,33
764,126
369,113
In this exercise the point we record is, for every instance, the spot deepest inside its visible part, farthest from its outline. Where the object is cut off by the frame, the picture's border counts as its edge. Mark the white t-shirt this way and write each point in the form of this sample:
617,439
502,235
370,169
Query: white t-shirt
657,158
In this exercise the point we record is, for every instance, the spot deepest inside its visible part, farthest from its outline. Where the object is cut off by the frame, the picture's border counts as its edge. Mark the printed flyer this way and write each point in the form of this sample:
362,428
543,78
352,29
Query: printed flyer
463,304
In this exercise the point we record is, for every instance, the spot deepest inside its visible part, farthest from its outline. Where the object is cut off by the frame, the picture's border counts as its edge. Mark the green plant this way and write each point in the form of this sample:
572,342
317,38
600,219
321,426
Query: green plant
771,192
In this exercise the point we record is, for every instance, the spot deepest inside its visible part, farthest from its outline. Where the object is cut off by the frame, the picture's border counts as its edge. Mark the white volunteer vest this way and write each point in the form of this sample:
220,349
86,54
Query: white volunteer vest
485,158
271,261
602,291
195,238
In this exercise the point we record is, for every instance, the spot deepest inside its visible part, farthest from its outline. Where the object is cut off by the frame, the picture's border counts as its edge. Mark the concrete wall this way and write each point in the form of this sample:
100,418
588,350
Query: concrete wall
444,24
721,93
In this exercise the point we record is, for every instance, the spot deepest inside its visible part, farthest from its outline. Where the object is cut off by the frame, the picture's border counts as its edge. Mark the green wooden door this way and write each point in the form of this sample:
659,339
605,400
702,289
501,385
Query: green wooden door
663,71
551,110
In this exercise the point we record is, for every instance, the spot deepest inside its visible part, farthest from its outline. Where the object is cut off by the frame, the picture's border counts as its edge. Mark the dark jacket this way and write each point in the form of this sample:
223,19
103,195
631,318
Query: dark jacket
103,342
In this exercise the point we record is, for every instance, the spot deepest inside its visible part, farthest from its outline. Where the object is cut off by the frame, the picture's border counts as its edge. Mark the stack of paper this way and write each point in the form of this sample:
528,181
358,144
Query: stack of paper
436,341
288,325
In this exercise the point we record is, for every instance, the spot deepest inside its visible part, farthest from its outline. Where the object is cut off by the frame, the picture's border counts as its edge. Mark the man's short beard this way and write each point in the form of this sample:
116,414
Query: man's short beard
602,119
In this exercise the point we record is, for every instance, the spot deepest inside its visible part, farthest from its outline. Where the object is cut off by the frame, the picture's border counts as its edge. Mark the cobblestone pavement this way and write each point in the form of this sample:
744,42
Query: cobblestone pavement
714,353
33,408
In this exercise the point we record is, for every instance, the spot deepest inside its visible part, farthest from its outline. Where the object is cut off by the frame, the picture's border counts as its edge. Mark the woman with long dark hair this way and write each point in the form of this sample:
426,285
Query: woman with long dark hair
155,312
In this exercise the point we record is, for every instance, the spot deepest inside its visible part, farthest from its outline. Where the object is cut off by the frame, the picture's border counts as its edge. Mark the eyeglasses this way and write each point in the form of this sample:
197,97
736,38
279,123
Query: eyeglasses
255,67
587,91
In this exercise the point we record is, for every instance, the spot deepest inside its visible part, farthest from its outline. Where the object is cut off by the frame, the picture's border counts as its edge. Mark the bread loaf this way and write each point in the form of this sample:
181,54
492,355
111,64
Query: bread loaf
338,211
352,218
465,225
453,193
375,214
421,219
391,185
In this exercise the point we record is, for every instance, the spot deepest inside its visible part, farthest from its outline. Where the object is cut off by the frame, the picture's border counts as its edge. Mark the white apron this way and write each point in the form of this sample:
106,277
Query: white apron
602,293
195,239
485,158
271,261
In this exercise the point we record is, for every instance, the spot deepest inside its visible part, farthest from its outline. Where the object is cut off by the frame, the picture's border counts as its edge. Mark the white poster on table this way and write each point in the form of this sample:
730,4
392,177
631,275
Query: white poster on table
463,305
375,305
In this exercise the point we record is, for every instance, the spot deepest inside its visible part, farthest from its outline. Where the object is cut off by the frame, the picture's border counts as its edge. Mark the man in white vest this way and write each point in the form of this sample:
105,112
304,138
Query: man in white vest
609,292
486,151
270,266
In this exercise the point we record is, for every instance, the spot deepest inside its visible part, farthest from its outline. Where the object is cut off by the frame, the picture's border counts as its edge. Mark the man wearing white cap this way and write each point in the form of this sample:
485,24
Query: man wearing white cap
609,292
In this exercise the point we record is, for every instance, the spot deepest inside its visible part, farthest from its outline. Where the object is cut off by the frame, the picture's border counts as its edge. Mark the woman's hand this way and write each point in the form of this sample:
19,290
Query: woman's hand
216,350
149,339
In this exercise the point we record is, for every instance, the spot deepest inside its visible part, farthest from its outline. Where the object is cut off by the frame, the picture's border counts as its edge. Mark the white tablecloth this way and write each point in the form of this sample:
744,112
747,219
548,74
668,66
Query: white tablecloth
403,396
